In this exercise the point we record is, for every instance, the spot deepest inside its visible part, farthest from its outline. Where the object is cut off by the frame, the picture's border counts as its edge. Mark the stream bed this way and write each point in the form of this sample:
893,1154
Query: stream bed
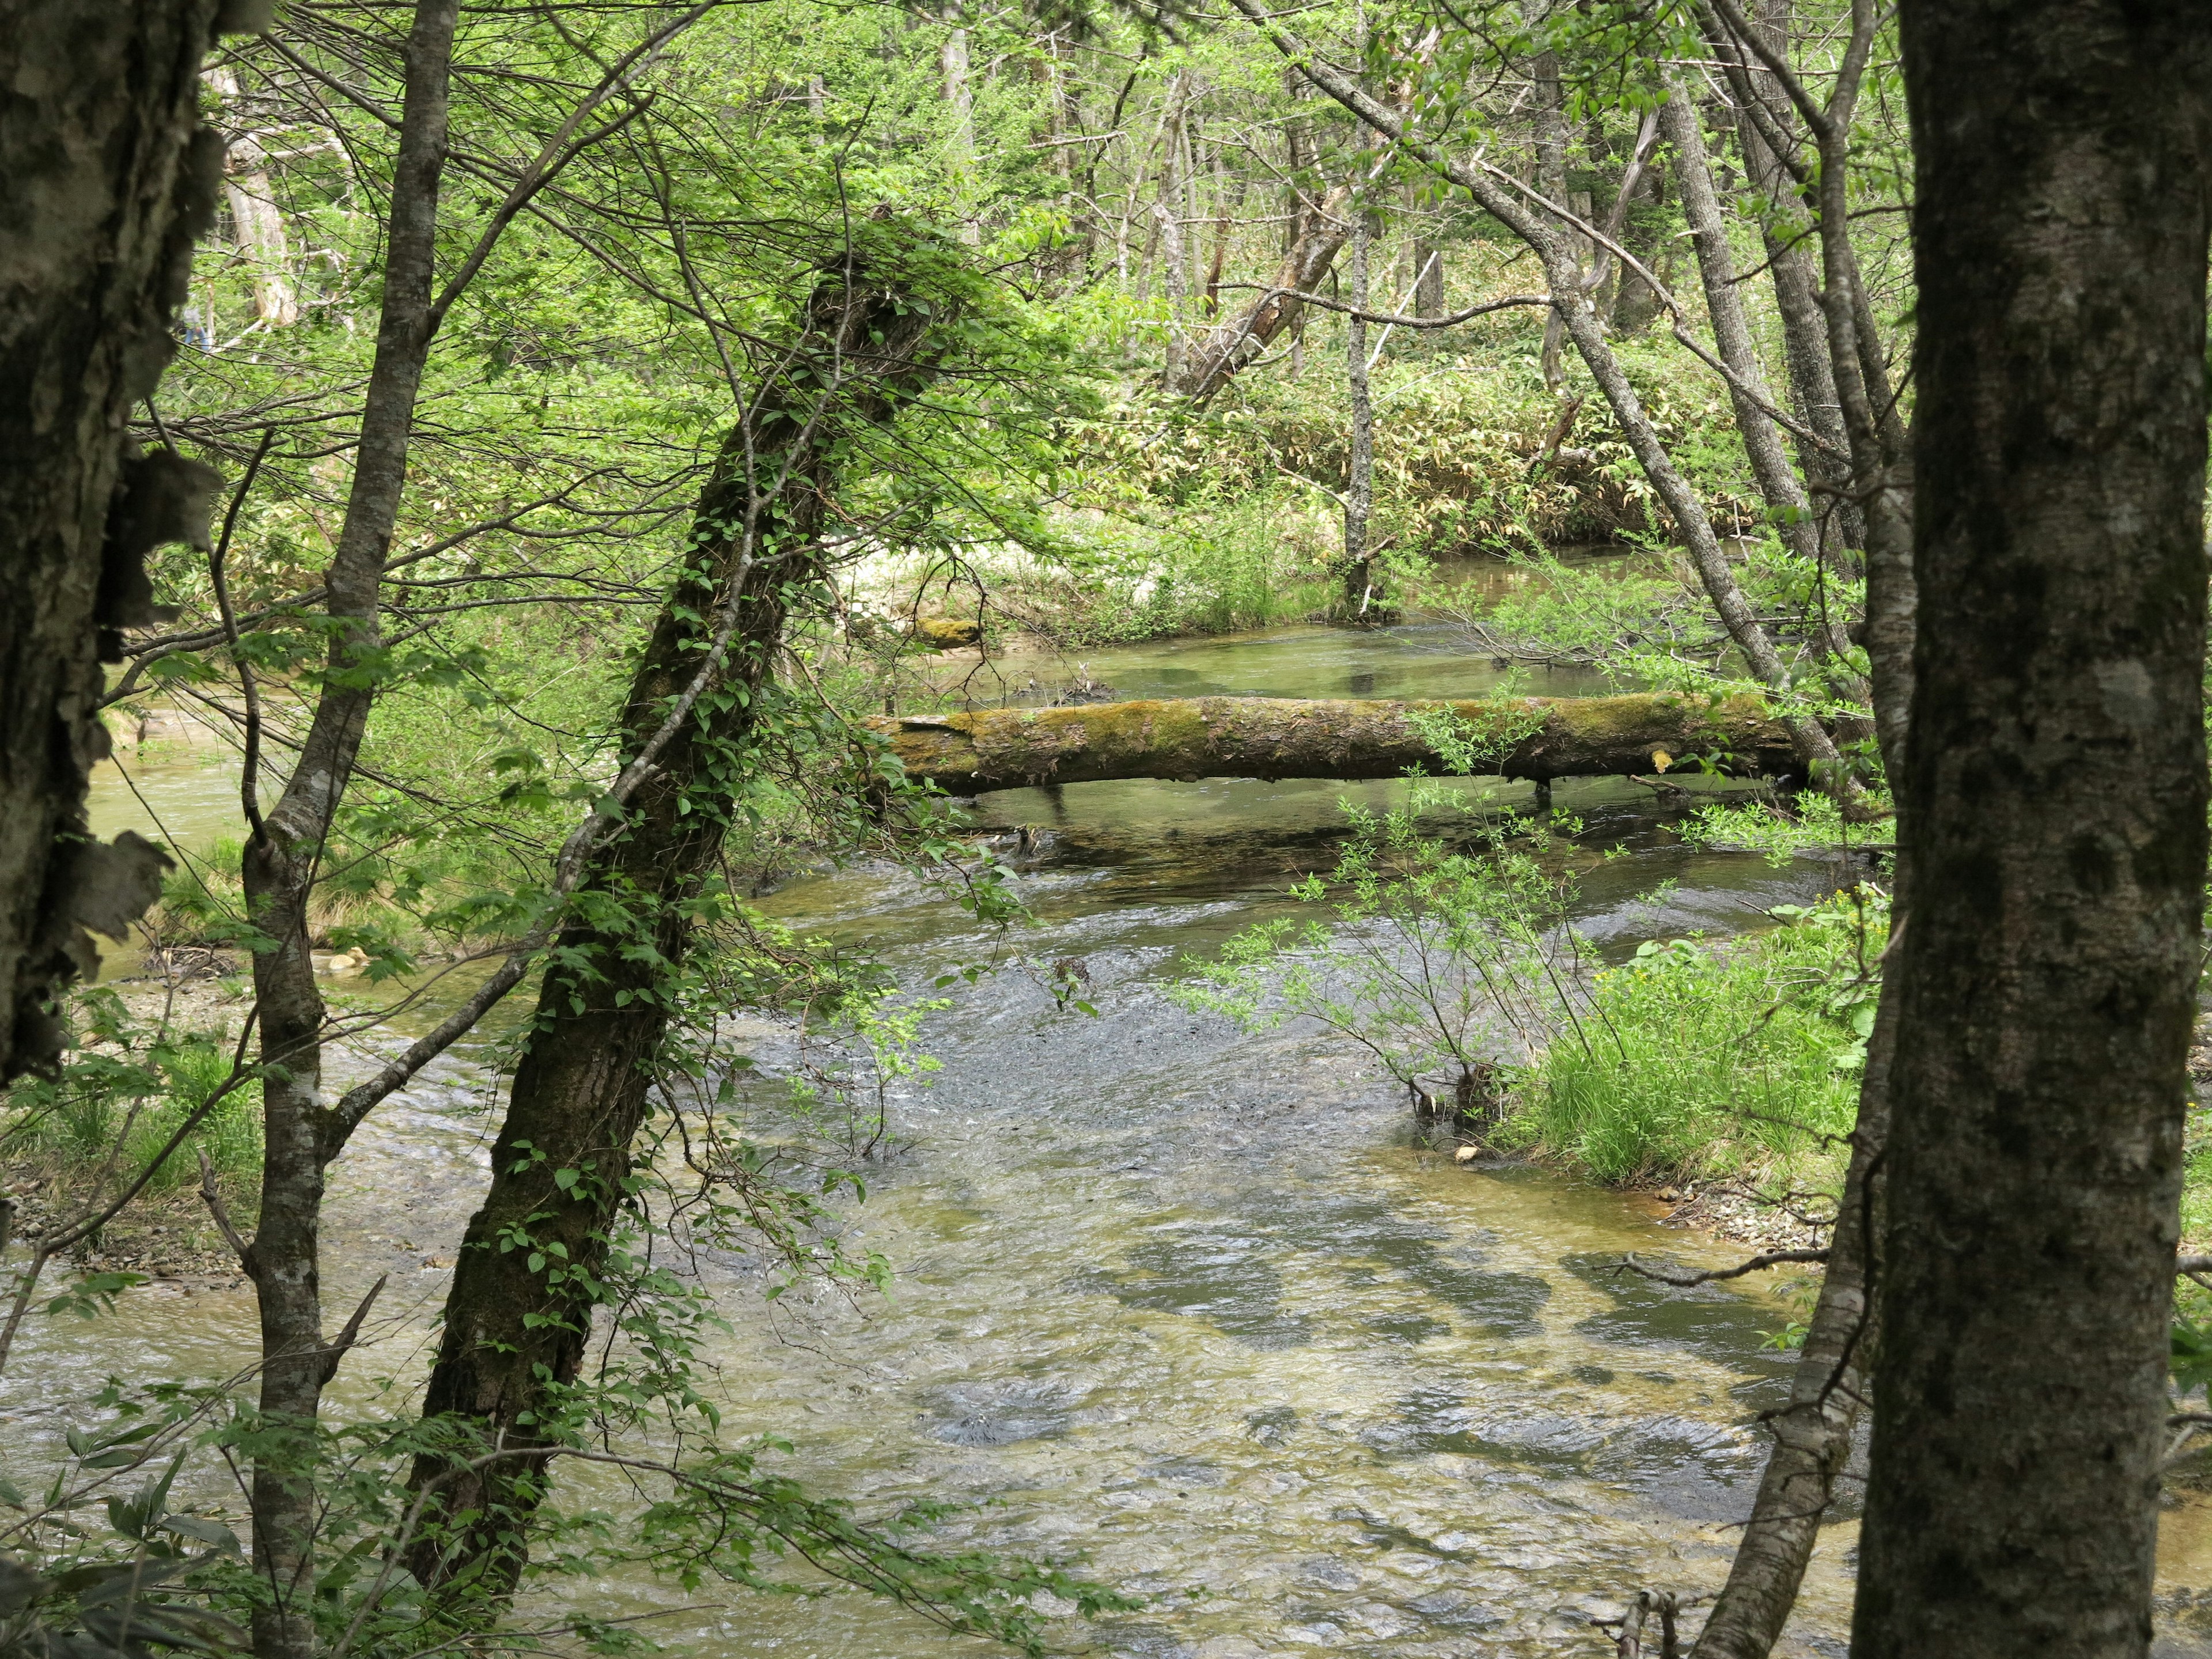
1190,1305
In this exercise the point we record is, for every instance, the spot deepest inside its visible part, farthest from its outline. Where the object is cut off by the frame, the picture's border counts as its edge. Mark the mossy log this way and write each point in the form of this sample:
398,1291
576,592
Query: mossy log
1183,739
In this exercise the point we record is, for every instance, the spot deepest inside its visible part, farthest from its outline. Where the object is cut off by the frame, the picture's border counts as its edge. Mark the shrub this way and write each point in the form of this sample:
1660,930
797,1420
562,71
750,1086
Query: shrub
1740,1057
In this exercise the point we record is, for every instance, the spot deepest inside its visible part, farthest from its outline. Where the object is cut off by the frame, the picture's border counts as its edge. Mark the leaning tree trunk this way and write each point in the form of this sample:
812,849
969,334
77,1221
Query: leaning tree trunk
106,179
2057,781
1236,343
1788,505
1791,264
519,1313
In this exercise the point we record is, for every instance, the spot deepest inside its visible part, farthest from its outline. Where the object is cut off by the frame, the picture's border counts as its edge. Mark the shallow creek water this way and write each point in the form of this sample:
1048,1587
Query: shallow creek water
1191,1304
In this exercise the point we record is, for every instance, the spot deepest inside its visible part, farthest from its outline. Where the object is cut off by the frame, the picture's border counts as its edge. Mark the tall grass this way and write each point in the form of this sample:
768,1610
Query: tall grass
1740,1057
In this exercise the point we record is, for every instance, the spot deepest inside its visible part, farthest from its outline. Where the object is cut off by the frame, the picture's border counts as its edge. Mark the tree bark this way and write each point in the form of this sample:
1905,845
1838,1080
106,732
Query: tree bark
106,179
515,1333
1541,737
2056,783
1358,577
300,1135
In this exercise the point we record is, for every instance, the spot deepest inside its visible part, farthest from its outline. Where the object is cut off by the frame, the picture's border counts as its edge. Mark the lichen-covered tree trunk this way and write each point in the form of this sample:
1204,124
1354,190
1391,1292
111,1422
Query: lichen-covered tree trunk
105,178
521,1307
2056,791
1184,738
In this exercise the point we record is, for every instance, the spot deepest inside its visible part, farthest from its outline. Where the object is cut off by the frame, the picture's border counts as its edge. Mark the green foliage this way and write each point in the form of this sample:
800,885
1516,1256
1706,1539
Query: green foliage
1737,1058
1451,962
124,1091
1783,830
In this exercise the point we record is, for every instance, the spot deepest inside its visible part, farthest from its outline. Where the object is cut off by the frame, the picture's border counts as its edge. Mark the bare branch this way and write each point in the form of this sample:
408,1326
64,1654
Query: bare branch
1686,1277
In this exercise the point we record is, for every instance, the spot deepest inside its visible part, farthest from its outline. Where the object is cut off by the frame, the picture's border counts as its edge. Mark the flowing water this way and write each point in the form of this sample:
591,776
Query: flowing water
1193,1306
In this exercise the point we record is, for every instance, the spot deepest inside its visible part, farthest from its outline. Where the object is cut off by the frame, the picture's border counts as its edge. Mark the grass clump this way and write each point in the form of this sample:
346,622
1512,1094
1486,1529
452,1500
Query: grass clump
1736,1058
124,1091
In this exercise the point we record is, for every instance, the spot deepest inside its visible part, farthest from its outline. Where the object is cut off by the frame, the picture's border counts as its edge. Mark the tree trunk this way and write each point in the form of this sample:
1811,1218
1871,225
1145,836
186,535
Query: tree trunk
953,66
517,1317
1239,342
1762,440
106,179
1778,484
253,210
1360,474
2055,779
1783,228
1428,285
284,853
1541,739
1168,219
1551,129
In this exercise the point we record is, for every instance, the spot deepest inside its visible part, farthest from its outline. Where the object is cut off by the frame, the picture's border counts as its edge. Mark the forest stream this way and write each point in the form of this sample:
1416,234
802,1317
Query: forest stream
1192,1306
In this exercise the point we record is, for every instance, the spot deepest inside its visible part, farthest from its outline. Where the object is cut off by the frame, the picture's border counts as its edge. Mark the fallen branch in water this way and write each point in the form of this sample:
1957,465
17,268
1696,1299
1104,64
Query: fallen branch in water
1686,1277
1629,1644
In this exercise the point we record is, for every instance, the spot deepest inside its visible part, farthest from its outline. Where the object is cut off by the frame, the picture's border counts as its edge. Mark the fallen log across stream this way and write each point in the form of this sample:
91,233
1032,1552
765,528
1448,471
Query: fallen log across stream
1189,738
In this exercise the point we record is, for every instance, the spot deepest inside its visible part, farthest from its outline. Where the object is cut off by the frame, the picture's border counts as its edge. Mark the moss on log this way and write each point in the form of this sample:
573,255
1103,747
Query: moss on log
1270,738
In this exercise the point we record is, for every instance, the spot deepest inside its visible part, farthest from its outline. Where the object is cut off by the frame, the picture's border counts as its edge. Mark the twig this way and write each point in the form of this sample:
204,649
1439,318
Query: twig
351,1332
216,1208
1395,320
249,780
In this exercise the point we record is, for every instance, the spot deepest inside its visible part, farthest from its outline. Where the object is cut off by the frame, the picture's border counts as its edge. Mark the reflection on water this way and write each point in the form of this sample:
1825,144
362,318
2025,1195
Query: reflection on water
1418,658
1187,1303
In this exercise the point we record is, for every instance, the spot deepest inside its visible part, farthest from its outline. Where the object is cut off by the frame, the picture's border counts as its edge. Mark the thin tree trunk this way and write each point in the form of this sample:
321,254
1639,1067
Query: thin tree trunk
106,179
2056,783
1786,499
1168,219
1359,474
1762,439
514,1332
1792,266
961,154
283,854
1428,279
1551,124
1226,204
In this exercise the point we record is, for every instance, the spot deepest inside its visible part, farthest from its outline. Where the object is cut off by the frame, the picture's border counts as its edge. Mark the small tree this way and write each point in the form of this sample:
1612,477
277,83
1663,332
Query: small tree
1451,962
